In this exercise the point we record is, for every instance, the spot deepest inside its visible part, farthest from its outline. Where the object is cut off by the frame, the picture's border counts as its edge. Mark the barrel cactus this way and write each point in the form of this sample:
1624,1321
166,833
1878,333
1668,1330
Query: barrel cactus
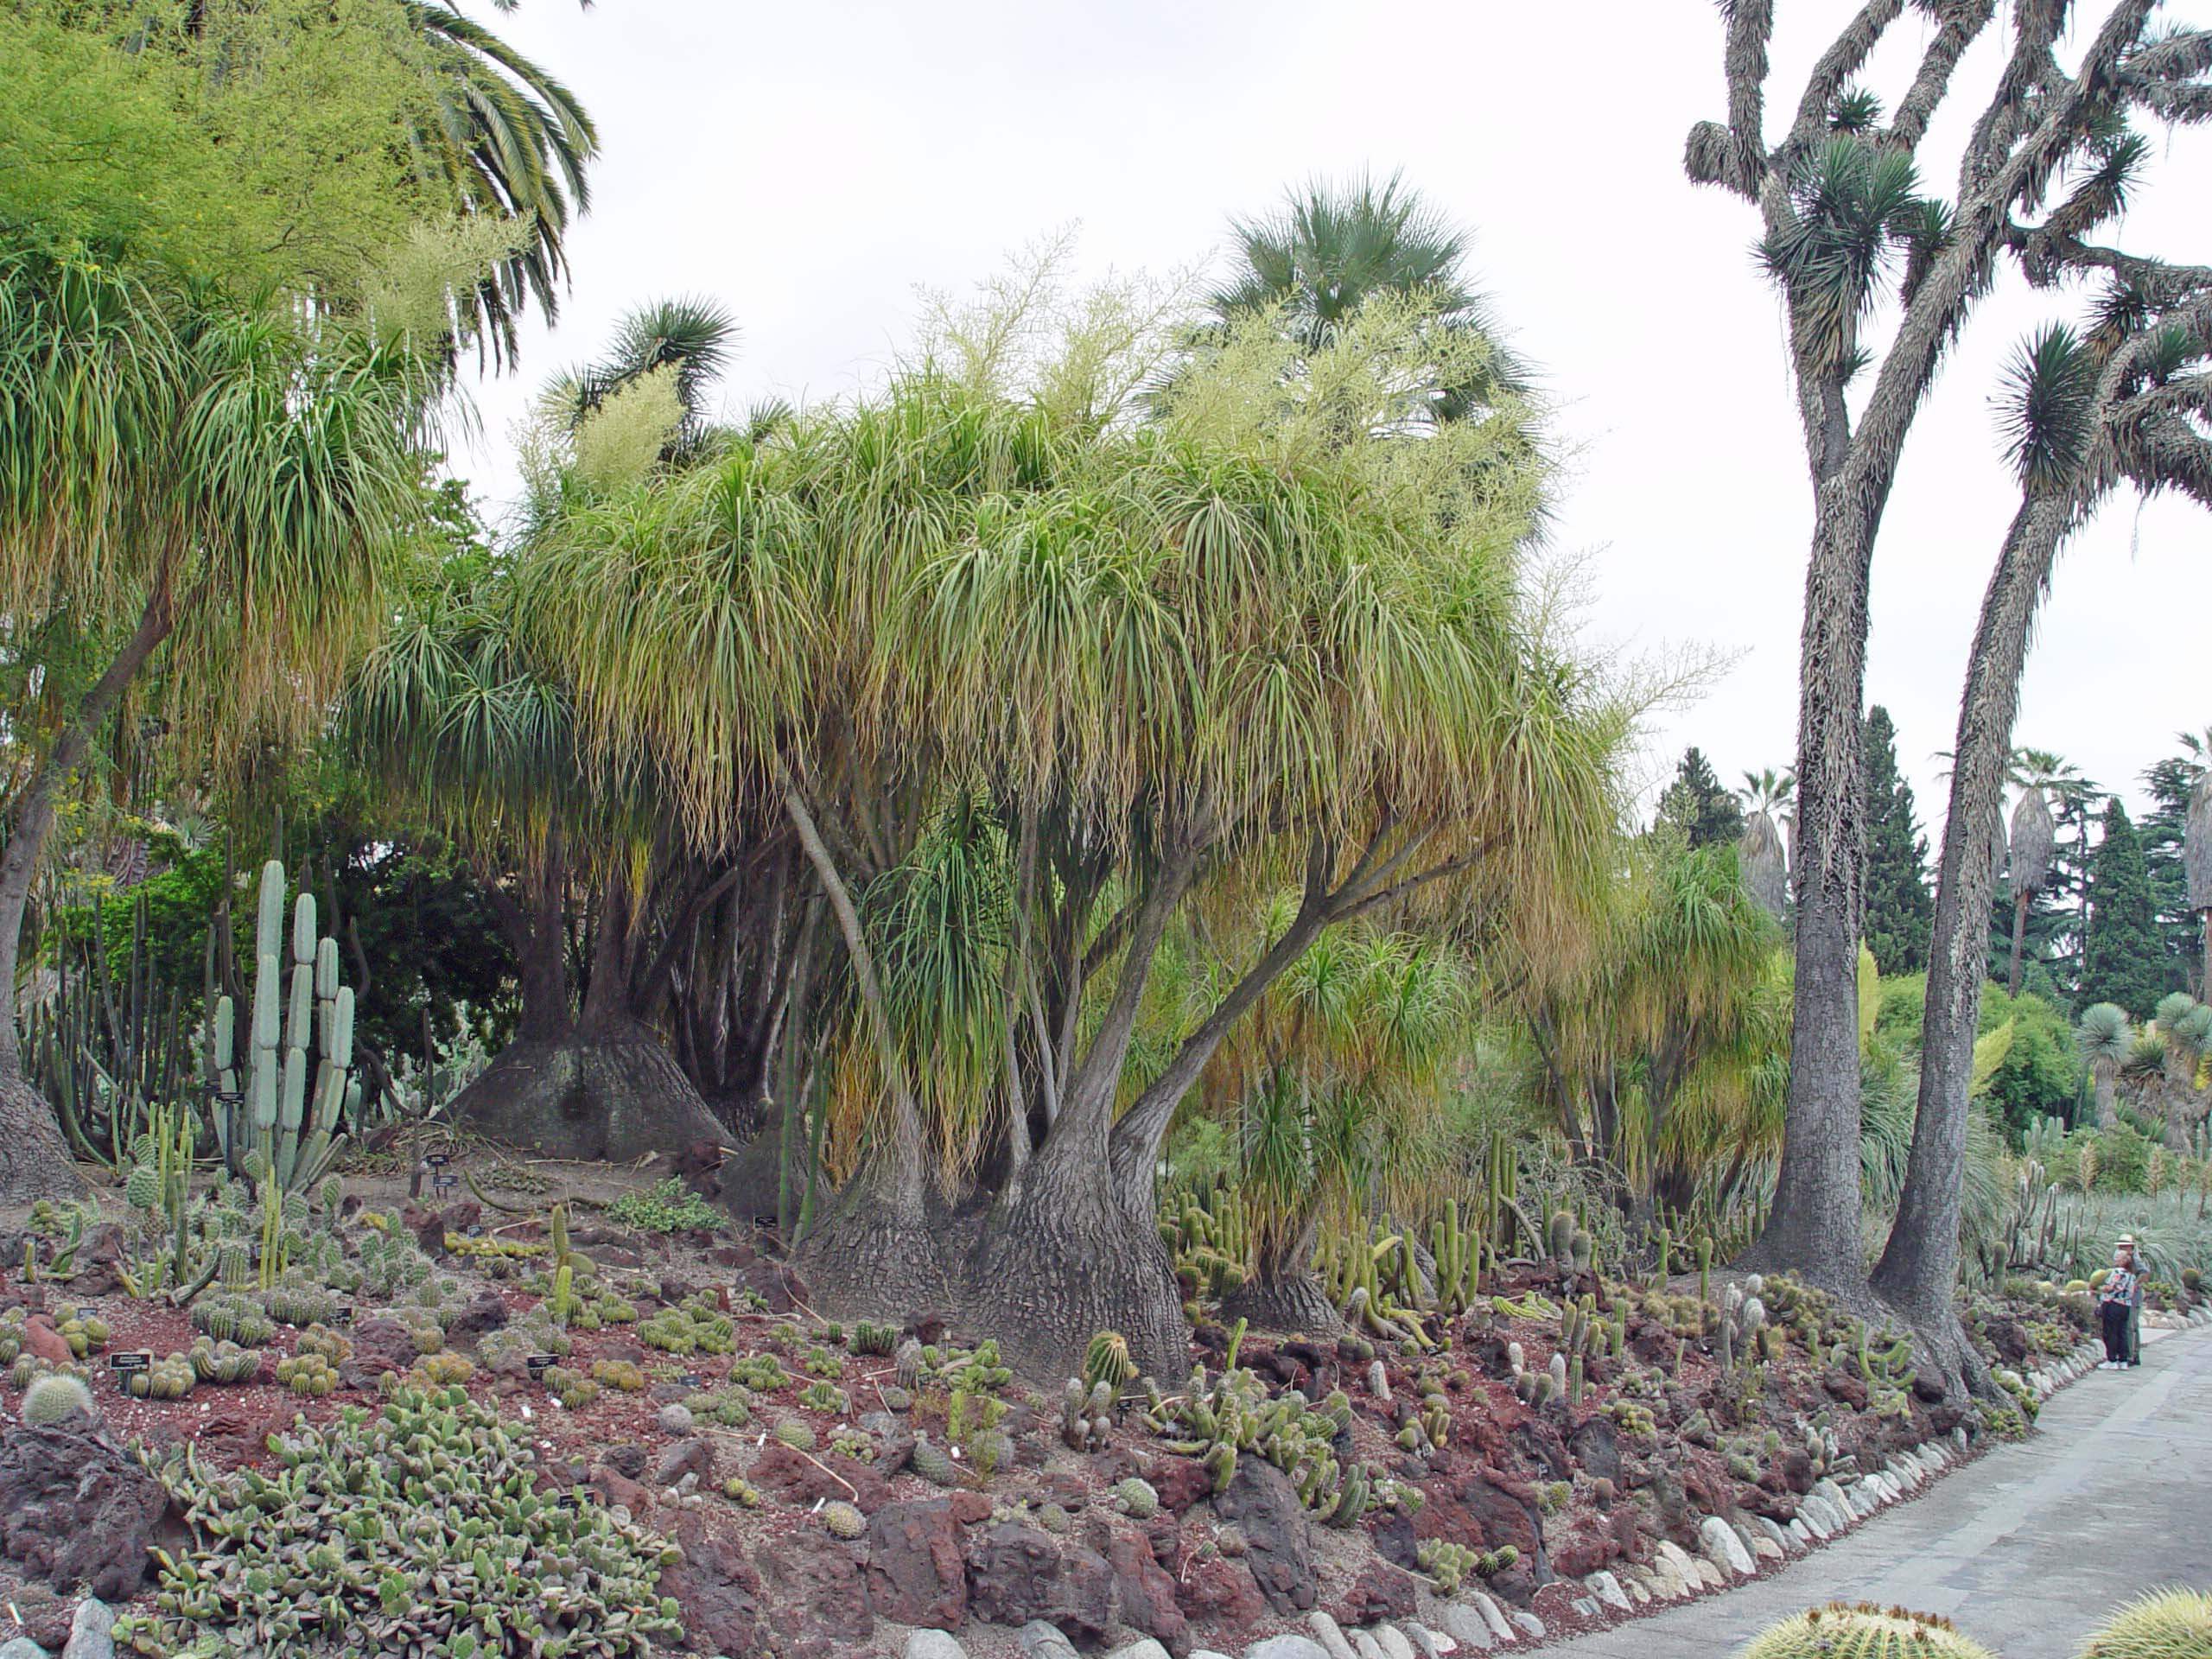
50,1398
1862,1631
932,1463
844,1521
797,1435
2163,1625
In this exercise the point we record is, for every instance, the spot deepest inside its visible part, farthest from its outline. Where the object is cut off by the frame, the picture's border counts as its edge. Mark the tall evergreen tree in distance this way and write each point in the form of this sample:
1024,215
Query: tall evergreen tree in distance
2128,962
1696,805
1899,909
2166,843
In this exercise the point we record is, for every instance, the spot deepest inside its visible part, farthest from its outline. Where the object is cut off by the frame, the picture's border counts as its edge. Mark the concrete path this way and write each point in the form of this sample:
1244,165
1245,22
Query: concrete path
2026,1549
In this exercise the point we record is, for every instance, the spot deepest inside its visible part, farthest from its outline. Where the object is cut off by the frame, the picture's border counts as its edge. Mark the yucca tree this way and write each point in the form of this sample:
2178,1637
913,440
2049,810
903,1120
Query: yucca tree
1241,644
2030,843
223,485
2185,1026
1838,186
1763,850
2105,1037
2196,845
2118,404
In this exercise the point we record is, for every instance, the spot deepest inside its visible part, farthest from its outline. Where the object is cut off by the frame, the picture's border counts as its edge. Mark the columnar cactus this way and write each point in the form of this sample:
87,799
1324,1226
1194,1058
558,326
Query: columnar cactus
284,1131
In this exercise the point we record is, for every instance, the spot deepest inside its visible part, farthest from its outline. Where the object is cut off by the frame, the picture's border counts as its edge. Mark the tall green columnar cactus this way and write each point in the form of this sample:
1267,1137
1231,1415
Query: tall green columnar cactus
283,1130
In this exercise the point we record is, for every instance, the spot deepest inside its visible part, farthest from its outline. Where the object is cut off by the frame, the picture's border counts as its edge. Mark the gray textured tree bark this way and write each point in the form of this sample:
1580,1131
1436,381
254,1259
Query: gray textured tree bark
1920,1265
35,1161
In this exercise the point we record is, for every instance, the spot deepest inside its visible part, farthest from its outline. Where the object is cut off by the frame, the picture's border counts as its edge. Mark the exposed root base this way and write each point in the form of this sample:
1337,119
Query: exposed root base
35,1161
618,1100
1294,1304
866,1261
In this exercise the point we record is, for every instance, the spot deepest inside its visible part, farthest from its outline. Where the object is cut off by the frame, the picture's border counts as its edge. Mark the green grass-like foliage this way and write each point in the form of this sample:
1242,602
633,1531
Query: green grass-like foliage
414,1524
668,1208
2163,1625
1862,1631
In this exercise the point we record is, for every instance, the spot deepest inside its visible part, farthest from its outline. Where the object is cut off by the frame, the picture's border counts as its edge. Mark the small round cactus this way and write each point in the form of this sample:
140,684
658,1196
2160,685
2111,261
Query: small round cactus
53,1397
2165,1624
932,1464
844,1521
796,1435
1846,1630
1138,1498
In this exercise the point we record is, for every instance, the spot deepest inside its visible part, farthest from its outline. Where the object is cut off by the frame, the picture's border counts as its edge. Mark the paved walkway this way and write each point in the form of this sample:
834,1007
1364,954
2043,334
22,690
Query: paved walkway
2026,1548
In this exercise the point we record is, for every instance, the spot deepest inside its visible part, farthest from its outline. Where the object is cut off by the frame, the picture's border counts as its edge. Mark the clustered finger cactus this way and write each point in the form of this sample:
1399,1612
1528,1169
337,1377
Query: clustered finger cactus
1217,1421
1447,1563
693,1327
417,1525
1086,1419
308,1375
1862,1631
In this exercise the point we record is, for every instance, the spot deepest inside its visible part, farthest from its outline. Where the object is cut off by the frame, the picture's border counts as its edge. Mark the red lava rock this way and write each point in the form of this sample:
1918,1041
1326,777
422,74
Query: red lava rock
691,1457
915,1572
42,1339
716,1588
1219,1592
783,1474
615,1487
1589,1547
970,1509
74,1507
1554,1604
1016,1573
1181,1483
1844,1386
380,1344
1379,1592
1147,1594
1263,1504
485,1310
814,1586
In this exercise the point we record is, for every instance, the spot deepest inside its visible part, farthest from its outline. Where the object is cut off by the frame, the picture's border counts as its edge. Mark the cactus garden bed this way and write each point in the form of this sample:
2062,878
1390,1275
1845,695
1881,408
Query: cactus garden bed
732,1474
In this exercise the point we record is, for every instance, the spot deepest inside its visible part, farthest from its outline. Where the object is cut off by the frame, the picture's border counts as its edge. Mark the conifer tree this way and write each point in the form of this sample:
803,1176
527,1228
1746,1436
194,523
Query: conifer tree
1696,805
2128,963
1899,909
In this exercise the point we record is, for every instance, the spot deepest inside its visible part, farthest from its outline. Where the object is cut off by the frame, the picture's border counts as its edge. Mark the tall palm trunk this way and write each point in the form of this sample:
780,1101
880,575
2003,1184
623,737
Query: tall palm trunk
1919,1266
2019,934
35,1161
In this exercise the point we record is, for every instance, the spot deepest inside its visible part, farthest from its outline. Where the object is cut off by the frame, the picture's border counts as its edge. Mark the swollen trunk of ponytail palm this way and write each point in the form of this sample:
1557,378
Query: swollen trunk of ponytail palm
35,1161
1918,1271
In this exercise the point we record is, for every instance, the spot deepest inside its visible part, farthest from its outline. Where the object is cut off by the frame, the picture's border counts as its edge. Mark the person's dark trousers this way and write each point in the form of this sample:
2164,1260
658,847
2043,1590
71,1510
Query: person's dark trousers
2115,1316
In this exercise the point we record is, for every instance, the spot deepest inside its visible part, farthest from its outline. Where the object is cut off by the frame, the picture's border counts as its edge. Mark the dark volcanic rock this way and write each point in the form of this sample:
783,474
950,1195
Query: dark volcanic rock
915,1572
75,1509
815,1587
1016,1573
1264,1505
717,1589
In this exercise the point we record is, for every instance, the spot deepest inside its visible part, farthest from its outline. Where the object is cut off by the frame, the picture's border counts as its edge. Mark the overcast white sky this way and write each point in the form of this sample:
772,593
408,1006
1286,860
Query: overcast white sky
808,165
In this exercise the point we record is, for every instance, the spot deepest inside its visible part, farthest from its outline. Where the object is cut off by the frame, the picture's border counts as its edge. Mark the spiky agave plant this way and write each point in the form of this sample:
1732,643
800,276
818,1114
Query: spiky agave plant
2173,1624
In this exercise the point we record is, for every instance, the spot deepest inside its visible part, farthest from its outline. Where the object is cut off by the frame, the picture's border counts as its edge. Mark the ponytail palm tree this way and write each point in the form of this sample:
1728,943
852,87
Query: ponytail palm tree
1763,850
1243,645
225,485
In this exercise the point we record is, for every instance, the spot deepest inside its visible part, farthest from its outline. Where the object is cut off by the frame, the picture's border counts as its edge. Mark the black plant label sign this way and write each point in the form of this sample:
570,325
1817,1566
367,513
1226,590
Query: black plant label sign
128,1365
540,1363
